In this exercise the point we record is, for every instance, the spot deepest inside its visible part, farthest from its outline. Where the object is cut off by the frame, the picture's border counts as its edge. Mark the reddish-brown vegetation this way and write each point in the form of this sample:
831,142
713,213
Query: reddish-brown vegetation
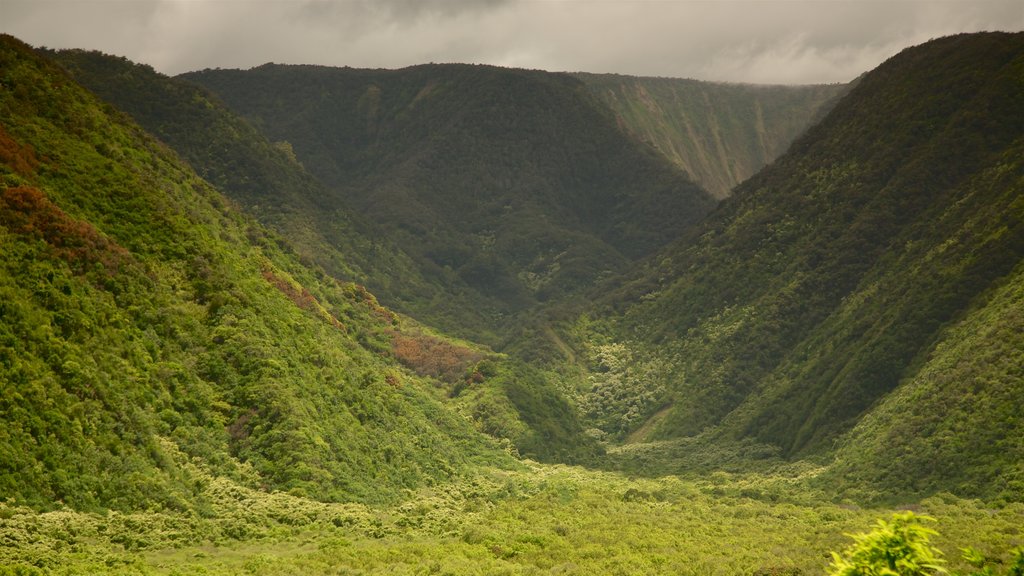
301,297
21,159
361,294
431,356
26,210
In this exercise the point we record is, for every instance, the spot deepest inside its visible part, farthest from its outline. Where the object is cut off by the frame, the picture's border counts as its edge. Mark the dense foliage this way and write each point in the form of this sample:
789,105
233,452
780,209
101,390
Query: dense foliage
902,547
883,249
720,134
267,180
537,521
515,185
142,315
270,184
186,391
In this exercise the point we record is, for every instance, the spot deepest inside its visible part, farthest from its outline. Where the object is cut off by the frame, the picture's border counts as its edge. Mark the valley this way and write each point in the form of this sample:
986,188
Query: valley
462,319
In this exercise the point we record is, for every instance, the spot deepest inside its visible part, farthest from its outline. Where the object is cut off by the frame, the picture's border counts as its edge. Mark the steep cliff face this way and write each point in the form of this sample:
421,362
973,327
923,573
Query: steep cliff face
720,134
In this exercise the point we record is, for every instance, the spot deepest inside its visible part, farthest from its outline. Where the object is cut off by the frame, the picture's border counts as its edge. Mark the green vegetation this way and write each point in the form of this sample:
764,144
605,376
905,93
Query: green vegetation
720,134
185,389
271,186
869,277
899,548
509,187
265,178
141,313
549,519
916,440
902,547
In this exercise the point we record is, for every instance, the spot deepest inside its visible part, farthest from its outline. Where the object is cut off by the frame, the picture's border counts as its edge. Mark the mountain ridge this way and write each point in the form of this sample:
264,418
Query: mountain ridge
852,304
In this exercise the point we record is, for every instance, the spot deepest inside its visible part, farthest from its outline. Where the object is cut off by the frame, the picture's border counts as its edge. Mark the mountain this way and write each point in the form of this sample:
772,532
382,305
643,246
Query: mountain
268,182
513,403
860,289
517,184
150,329
719,133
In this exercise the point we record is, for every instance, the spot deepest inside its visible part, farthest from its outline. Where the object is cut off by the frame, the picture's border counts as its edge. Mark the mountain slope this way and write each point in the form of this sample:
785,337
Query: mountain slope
273,187
832,276
720,134
267,181
956,425
148,328
516,183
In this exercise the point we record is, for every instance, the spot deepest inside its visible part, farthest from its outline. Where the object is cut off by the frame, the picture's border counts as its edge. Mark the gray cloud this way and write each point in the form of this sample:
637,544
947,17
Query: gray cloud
784,41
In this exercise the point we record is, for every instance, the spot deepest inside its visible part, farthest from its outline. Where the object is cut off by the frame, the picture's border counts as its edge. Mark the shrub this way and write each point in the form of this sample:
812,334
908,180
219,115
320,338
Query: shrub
899,547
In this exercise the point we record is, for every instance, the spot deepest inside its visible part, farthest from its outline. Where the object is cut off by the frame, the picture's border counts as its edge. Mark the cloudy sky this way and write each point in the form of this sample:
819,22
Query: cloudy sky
774,41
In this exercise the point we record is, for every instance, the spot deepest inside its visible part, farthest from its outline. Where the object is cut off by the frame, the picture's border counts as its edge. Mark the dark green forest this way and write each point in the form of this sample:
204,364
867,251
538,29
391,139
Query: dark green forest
516,186
458,319
268,181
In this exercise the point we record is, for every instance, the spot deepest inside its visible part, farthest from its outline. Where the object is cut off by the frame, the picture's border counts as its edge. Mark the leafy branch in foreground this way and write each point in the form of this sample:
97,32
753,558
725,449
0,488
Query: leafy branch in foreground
901,547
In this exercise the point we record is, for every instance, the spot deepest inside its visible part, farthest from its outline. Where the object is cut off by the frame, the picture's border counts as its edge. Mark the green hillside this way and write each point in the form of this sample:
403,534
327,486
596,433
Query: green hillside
720,134
955,425
150,329
847,274
516,183
271,185
268,182
190,382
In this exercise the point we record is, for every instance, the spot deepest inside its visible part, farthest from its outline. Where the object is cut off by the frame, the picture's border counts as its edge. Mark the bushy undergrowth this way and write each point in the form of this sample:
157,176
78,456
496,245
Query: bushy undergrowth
541,520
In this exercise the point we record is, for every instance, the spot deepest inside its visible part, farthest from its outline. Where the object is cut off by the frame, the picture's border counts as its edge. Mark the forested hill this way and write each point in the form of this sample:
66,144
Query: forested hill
869,278
152,337
270,183
517,183
721,134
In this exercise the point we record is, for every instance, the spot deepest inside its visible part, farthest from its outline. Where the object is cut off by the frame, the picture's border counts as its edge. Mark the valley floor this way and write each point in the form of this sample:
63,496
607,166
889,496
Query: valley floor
537,520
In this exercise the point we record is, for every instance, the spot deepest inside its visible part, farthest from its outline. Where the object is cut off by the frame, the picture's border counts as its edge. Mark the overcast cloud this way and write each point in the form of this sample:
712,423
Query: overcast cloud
765,41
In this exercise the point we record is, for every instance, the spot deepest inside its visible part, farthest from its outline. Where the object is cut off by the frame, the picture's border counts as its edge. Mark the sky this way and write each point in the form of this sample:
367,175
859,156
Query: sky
759,41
